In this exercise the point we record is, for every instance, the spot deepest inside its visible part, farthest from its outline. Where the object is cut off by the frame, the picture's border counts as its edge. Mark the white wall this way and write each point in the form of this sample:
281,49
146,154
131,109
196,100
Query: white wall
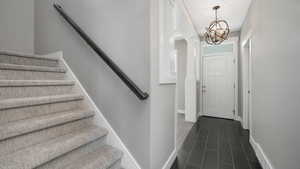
275,55
162,143
173,24
121,29
17,25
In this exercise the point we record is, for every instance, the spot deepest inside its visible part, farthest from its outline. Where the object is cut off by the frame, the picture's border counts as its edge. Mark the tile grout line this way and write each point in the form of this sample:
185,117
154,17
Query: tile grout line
190,152
204,150
244,151
229,136
231,152
218,151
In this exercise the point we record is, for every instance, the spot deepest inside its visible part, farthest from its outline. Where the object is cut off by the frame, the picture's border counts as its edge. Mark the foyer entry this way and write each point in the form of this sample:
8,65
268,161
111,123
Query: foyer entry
216,144
219,80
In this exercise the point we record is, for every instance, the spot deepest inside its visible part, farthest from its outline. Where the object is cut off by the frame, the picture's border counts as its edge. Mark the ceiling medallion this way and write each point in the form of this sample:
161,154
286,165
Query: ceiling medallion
218,30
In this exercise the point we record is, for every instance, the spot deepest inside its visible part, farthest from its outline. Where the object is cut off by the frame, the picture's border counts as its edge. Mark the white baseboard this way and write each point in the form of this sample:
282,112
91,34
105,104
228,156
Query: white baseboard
263,159
180,111
244,125
200,114
128,161
170,160
238,118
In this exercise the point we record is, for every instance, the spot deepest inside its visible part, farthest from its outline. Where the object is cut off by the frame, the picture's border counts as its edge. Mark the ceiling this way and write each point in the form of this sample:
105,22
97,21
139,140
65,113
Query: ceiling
233,11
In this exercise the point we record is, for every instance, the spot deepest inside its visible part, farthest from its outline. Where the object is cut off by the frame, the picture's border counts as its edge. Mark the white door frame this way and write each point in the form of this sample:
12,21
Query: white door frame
234,41
247,83
177,37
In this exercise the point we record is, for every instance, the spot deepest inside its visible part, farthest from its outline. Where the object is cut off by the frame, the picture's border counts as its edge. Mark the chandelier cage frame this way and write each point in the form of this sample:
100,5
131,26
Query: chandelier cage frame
218,30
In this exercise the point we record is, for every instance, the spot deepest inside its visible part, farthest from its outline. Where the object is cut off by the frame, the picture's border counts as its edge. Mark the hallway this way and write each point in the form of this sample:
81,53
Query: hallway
216,144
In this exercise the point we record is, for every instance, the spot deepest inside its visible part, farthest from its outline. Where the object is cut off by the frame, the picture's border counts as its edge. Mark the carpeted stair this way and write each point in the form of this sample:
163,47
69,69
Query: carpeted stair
45,122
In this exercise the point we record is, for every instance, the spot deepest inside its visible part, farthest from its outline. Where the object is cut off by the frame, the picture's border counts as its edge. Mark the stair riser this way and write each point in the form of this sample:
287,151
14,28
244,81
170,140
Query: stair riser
33,91
39,123
56,164
30,75
16,143
27,61
14,114
40,154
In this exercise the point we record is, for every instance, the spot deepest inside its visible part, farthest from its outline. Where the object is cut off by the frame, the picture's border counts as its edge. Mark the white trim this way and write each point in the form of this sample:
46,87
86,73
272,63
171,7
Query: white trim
247,83
247,119
170,160
177,36
238,118
191,82
180,111
199,114
236,73
261,155
128,161
247,37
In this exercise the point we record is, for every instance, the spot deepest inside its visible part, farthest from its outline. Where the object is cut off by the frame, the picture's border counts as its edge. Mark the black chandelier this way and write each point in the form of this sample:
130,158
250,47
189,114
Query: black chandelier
218,30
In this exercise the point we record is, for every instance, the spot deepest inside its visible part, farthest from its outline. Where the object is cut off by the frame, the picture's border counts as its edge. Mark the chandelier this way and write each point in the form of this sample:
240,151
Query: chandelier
218,30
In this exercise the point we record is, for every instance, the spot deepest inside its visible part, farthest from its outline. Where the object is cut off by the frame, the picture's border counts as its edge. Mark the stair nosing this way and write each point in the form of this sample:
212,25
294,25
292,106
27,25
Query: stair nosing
63,144
35,101
32,56
118,157
25,83
32,68
17,128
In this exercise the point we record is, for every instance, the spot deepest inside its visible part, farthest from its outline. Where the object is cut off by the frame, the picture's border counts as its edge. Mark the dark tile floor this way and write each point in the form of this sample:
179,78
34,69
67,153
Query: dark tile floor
216,144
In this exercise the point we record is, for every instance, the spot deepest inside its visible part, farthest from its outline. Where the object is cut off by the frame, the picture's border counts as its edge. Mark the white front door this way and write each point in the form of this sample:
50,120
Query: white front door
218,86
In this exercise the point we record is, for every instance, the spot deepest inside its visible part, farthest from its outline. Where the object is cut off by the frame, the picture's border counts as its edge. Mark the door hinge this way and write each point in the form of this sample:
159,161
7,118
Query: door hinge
234,86
234,60
233,111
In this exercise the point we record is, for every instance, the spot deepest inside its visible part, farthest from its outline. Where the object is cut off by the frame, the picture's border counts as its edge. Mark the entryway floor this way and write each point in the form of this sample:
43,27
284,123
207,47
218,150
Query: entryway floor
216,144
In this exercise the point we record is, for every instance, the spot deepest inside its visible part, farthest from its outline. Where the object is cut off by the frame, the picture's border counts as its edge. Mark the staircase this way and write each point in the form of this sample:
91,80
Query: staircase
45,122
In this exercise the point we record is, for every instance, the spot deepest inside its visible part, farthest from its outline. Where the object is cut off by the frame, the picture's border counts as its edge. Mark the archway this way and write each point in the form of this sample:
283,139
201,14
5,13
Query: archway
181,54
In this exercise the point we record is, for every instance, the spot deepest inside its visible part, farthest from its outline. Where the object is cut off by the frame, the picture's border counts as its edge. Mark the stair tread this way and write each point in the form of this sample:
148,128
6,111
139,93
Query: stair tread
103,157
39,154
30,101
20,83
13,53
20,127
6,66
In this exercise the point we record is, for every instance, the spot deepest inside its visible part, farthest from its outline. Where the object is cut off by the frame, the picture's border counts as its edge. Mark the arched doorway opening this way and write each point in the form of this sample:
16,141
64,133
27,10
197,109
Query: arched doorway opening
183,127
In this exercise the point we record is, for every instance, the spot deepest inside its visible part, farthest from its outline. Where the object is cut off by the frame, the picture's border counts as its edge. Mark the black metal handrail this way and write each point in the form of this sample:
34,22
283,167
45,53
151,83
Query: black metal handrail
134,88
